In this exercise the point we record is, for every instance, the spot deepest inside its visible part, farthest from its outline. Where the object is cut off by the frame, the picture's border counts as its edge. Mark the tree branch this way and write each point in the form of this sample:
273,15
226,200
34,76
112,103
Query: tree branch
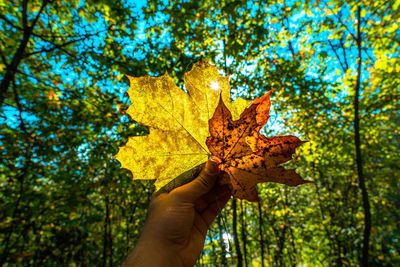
24,14
19,54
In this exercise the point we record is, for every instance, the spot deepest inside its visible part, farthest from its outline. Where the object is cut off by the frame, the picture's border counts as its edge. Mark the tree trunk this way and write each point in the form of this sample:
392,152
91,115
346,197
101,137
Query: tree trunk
107,238
221,242
244,234
260,231
281,245
357,141
235,235
110,239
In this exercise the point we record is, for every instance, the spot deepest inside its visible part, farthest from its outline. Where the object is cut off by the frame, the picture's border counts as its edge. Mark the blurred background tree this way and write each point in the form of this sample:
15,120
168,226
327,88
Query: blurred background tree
334,67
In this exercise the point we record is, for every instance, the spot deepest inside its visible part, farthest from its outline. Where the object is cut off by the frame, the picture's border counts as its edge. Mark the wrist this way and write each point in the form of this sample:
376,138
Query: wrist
151,251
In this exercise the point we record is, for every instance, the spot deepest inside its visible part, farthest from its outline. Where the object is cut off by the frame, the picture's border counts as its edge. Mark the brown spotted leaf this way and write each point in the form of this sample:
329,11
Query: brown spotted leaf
248,157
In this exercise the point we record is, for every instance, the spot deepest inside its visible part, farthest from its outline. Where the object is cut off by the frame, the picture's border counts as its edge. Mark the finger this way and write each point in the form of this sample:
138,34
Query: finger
211,196
214,209
202,184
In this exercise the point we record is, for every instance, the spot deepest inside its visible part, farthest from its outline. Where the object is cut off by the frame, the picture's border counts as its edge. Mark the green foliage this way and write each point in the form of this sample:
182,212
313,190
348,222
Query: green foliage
65,201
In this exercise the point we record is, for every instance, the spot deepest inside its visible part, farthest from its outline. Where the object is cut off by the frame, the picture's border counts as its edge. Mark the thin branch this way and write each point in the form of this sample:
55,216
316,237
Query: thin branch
288,29
344,53
56,46
341,22
3,57
10,22
369,57
60,46
16,98
43,37
45,2
337,55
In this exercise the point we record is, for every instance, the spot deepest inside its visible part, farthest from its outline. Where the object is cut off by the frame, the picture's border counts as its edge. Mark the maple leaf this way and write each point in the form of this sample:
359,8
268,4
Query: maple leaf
186,128
248,157
177,121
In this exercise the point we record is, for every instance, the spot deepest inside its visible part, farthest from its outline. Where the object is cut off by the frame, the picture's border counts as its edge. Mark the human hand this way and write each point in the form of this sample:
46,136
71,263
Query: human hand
177,223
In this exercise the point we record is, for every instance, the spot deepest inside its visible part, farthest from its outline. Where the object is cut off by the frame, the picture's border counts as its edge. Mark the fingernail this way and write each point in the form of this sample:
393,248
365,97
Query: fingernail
212,167
218,161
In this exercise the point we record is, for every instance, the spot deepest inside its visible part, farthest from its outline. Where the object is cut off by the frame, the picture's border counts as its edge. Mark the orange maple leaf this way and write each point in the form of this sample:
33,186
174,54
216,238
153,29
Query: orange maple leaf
248,157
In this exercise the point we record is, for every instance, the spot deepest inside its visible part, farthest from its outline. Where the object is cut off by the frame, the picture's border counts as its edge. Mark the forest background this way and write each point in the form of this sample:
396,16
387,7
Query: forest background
335,69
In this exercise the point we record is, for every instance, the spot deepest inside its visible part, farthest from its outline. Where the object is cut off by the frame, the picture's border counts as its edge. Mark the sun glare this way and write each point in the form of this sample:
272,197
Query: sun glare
214,85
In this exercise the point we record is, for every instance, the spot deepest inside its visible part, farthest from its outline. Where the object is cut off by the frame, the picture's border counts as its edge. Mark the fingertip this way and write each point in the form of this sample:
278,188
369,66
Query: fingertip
214,163
212,167
218,161
202,184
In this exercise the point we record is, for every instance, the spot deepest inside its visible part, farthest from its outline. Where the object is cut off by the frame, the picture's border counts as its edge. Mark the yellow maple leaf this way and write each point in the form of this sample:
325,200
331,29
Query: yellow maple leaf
177,121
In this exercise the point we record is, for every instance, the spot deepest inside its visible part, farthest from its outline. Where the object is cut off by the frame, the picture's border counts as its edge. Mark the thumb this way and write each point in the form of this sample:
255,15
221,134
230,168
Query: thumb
203,183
